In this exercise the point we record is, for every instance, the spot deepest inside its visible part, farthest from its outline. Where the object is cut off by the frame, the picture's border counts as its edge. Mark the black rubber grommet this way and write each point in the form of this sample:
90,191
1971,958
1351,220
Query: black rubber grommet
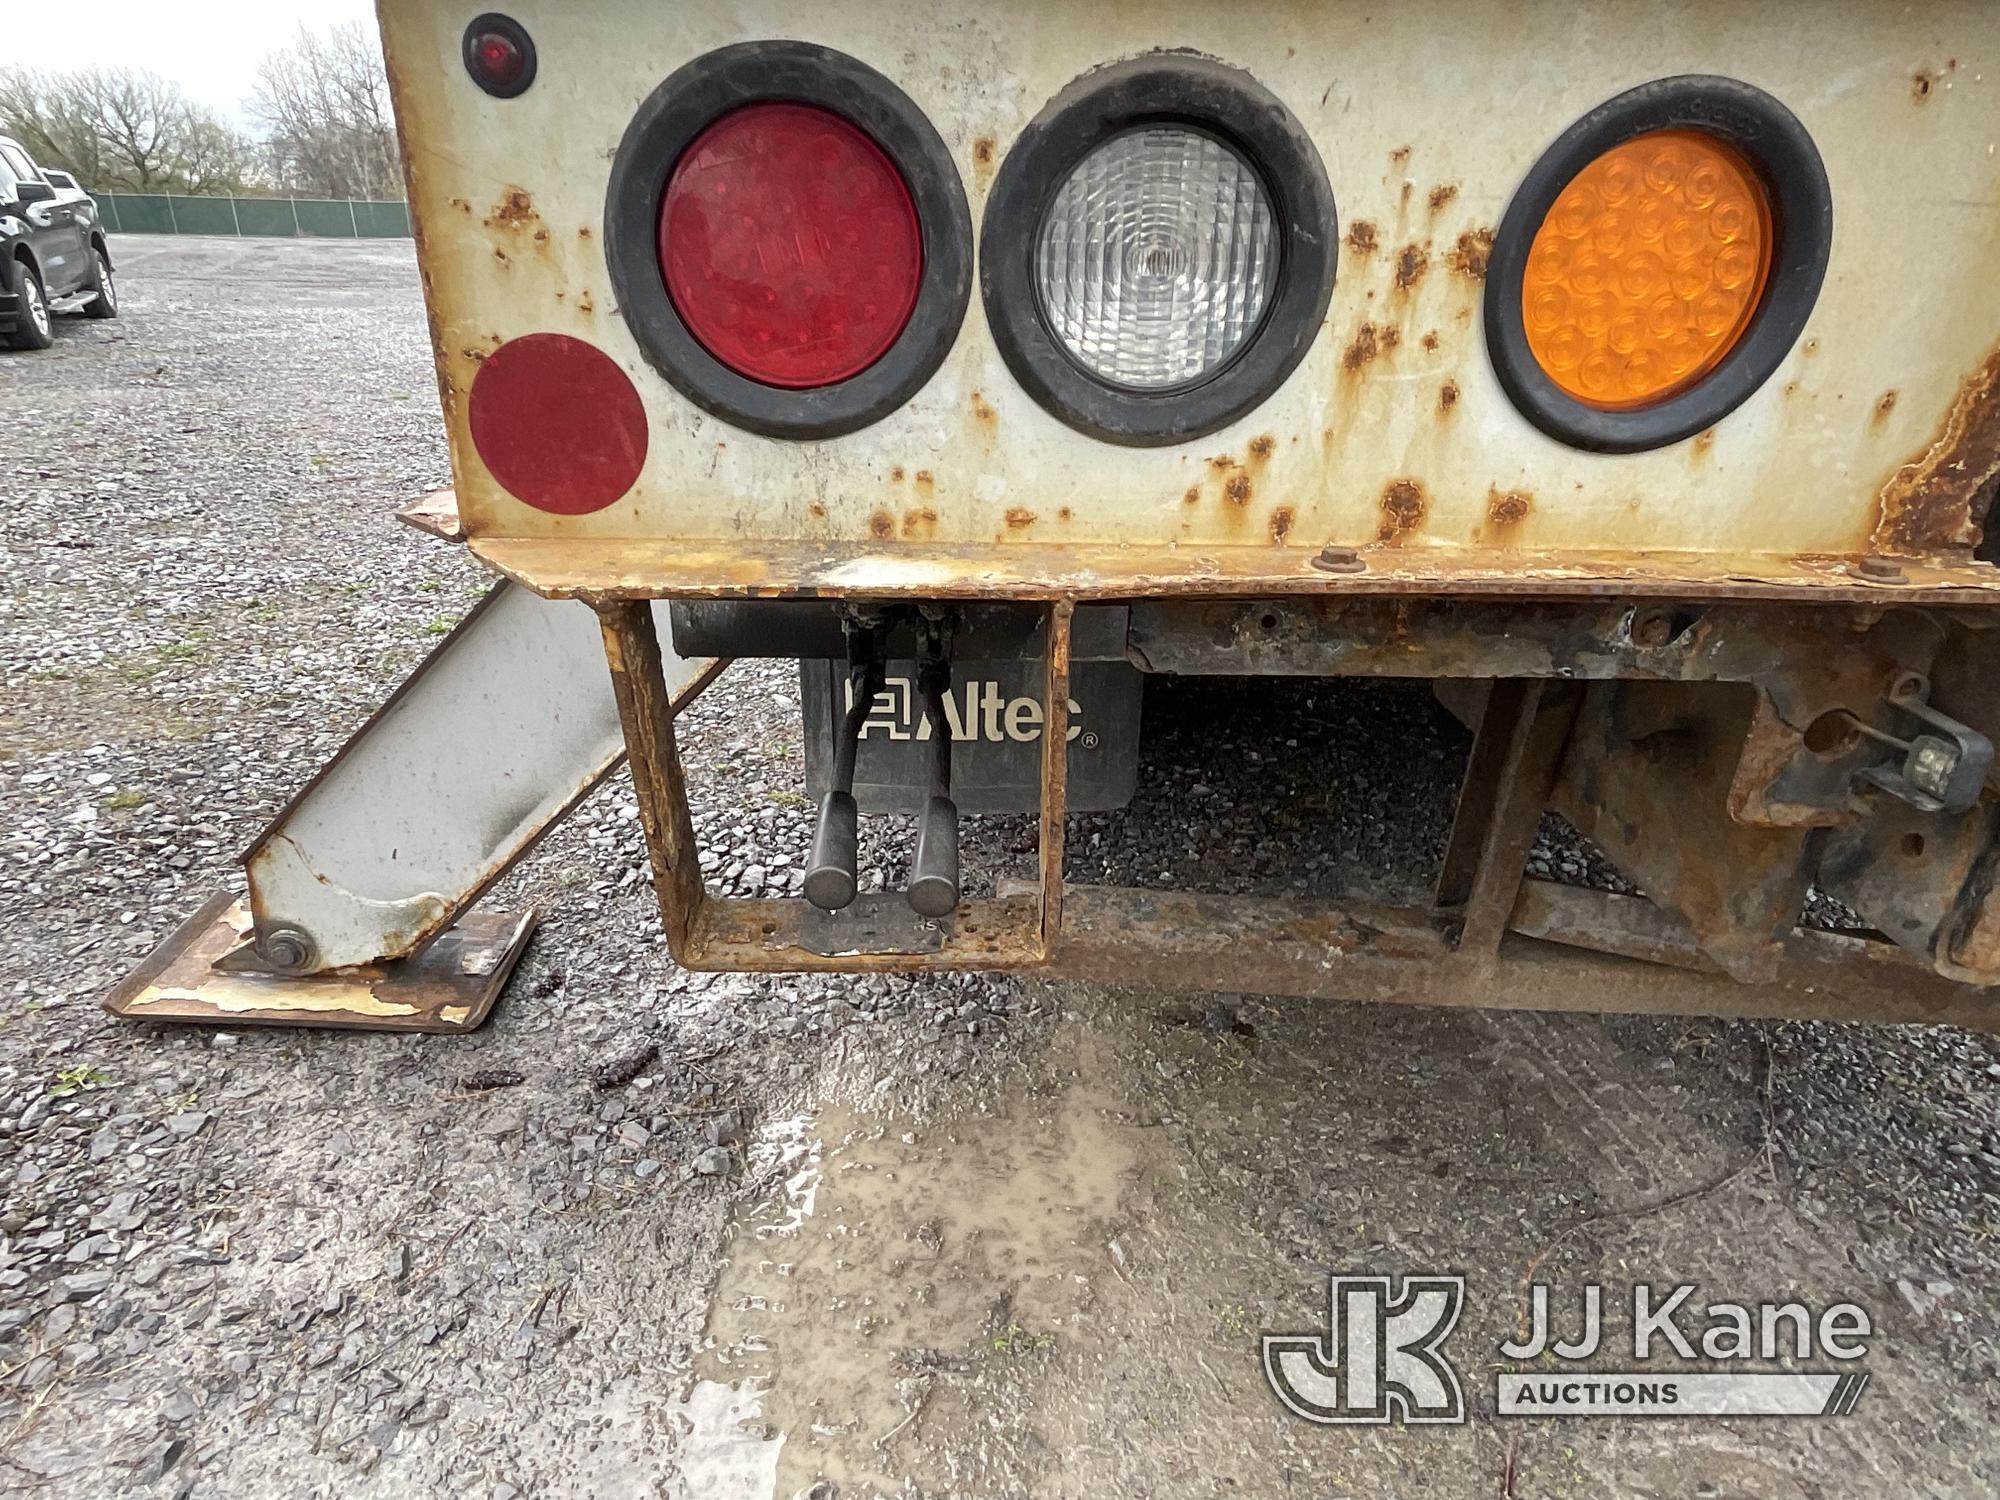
1188,92
1776,145
515,32
687,103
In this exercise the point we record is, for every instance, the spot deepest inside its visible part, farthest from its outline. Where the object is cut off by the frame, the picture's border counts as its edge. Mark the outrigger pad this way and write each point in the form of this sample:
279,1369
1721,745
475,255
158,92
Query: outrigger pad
449,987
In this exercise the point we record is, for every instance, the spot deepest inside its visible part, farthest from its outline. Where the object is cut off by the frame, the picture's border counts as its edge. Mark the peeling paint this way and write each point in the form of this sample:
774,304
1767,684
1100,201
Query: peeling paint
1927,503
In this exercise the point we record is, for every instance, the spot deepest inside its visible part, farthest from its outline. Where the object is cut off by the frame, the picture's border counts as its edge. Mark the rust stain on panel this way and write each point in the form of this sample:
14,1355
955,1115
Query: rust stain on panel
1361,237
1469,256
1442,194
1019,518
1506,509
1403,506
920,525
1447,397
1237,488
1281,524
1927,504
881,525
1883,407
984,414
1370,340
1411,263
515,211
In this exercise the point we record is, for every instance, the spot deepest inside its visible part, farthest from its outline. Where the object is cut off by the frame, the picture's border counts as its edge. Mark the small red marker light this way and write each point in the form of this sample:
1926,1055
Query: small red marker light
499,55
557,423
500,60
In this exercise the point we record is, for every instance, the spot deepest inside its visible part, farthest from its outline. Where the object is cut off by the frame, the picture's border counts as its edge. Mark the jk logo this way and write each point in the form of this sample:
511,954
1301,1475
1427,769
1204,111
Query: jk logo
1379,1361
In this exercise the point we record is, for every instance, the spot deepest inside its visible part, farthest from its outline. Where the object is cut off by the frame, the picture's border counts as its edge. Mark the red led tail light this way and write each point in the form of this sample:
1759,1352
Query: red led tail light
790,245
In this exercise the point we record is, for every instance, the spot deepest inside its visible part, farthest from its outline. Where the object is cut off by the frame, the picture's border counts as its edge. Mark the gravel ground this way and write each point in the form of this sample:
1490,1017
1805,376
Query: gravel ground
261,1262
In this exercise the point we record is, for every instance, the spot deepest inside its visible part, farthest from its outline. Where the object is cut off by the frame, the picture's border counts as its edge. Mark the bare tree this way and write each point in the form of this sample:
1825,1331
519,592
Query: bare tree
325,101
216,159
117,128
51,115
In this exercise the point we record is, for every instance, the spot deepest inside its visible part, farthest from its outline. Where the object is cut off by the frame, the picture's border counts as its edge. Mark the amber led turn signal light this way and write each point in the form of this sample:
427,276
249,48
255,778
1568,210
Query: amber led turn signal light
1647,270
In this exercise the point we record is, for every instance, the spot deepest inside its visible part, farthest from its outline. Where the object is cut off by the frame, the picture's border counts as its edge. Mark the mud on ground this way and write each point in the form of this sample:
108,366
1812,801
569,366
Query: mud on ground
963,1236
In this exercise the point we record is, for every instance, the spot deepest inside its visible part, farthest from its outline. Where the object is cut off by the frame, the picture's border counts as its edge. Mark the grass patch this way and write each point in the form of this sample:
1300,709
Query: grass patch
73,1080
1016,1341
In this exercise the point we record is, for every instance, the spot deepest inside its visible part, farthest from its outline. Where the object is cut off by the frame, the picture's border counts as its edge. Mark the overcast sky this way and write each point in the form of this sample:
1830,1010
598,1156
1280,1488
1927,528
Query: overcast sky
211,48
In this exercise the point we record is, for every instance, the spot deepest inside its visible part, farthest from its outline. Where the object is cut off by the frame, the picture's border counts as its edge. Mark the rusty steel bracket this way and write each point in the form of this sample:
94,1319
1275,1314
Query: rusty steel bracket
1516,752
449,988
788,933
1490,939
1944,765
359,911
503,729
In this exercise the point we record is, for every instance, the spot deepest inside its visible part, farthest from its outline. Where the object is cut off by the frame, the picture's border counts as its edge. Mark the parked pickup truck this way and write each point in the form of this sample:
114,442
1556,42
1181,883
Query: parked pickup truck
53,255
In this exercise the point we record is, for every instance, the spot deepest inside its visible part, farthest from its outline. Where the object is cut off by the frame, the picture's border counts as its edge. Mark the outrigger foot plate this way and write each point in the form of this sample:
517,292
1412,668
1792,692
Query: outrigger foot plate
449,986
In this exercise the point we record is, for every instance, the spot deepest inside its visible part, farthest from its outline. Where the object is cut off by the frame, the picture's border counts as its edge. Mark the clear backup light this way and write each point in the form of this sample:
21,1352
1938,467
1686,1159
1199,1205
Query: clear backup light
1156,258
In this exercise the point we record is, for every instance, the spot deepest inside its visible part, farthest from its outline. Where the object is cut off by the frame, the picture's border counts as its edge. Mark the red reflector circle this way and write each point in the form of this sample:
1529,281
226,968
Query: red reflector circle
790,245
557,423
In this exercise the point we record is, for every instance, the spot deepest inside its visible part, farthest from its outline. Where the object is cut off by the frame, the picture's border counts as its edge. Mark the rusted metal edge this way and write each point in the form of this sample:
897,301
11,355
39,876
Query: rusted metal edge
1180,942
435,513
638,680
1569,950
448,989
783,935
601,572
1055,766
1516,754
1927,504
1848,975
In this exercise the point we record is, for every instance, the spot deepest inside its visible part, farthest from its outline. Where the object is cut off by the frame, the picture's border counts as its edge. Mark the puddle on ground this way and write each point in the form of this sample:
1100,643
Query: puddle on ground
889,1253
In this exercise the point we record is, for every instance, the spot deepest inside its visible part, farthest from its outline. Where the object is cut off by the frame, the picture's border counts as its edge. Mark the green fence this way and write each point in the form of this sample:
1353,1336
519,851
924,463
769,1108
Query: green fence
323,218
